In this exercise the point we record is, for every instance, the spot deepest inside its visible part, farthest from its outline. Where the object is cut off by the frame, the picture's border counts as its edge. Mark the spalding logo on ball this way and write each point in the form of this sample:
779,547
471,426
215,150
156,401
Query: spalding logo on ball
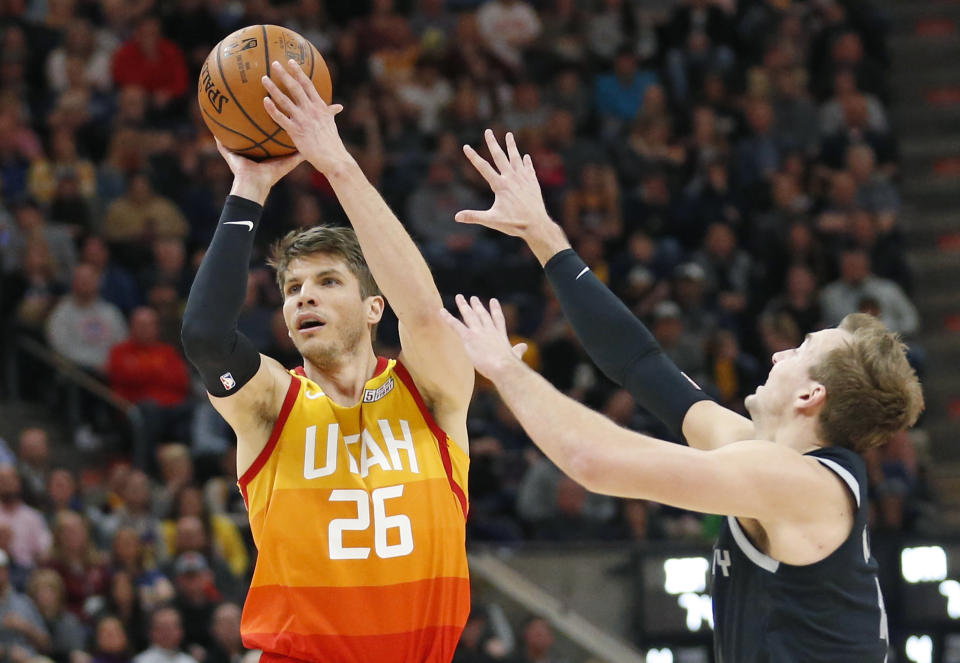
231,94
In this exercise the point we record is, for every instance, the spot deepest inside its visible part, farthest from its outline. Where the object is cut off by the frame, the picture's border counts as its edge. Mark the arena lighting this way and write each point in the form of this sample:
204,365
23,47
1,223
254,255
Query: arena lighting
920,649
951,590
699,609
923,564
659,656
685,574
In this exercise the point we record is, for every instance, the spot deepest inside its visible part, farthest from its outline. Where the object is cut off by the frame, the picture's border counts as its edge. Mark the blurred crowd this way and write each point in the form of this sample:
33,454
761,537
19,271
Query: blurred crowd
727,167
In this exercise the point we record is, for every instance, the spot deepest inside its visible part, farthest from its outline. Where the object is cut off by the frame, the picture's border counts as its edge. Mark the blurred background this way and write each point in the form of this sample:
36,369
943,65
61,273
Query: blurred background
739,172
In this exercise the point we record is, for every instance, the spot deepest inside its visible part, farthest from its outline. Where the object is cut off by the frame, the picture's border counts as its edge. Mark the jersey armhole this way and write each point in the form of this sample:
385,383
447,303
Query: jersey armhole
291,397
438,433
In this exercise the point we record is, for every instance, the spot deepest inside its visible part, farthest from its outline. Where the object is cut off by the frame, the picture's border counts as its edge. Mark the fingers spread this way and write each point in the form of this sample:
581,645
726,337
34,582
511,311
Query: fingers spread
515,160
485,169
467,313
496,314
499,158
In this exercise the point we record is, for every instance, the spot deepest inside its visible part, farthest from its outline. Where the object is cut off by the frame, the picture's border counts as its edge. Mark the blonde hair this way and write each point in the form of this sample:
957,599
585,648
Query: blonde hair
872,391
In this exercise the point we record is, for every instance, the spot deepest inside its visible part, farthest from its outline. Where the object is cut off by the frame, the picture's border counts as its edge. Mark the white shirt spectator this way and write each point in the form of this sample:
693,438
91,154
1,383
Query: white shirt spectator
507,26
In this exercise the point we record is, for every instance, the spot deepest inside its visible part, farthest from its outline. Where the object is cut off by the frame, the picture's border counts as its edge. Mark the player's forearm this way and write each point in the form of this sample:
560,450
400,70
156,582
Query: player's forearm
574,437
209,333
393,257
620,345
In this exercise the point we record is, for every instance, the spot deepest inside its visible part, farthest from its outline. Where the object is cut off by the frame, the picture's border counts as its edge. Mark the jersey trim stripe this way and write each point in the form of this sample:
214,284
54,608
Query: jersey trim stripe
382,363
438,433
765,562
842,472
292,391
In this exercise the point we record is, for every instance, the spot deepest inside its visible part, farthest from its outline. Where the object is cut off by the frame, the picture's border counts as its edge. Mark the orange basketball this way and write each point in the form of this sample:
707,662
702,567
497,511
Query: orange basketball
231,94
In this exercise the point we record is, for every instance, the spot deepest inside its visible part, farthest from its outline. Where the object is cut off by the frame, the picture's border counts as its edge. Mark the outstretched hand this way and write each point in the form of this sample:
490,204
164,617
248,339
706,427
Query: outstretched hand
305,116
484,335
518,208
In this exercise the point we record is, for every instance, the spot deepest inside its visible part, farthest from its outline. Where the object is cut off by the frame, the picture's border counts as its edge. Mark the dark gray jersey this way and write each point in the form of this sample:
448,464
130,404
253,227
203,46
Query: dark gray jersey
827,612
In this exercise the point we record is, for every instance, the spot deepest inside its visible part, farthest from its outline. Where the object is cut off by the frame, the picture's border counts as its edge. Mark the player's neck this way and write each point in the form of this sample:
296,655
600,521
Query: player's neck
796,432
344,383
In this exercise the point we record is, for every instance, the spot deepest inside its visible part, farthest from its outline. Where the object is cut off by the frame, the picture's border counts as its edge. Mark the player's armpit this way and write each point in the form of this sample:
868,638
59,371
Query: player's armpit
253,409
442,371
708,425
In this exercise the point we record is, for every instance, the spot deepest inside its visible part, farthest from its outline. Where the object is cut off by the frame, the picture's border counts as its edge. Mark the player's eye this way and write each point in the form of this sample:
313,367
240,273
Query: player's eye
293,289
330,281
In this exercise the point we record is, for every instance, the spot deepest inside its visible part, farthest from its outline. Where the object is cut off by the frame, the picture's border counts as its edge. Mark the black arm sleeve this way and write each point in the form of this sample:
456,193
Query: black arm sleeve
225,358
620,345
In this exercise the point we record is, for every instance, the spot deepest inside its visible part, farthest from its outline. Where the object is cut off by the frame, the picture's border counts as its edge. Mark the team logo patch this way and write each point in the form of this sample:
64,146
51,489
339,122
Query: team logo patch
371,395
227,381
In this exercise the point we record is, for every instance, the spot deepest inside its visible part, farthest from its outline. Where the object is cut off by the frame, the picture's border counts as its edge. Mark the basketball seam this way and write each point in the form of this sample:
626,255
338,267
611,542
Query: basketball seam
260,144
244,149
240,106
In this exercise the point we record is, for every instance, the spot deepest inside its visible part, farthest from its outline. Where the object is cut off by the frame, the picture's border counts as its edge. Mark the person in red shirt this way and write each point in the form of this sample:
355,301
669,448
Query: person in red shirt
154,376
152,62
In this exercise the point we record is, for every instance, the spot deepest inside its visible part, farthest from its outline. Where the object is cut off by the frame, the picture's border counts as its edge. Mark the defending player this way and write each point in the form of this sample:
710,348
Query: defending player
356,496
793,577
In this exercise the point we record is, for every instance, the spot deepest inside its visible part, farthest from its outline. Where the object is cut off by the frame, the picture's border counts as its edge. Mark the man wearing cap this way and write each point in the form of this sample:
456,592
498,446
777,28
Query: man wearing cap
22,632
196,598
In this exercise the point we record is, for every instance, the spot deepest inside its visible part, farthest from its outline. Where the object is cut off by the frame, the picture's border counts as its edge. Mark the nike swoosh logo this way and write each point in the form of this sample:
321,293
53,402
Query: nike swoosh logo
248,224
582,272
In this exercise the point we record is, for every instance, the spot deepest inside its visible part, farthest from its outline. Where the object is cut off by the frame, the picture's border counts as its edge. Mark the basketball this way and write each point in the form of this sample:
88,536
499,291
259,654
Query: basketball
231,94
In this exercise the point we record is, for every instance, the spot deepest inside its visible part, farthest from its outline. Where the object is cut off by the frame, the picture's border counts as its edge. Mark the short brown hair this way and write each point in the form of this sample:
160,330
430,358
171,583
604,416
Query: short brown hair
872,391
333,240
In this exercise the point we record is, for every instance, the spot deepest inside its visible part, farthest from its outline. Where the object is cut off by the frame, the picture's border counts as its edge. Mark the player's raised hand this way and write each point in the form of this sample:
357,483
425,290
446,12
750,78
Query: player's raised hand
305,116
484,335
254,179
518,208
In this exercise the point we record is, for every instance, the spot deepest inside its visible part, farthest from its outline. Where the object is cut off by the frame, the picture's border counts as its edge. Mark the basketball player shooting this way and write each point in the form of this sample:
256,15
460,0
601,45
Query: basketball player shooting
794,580
356,494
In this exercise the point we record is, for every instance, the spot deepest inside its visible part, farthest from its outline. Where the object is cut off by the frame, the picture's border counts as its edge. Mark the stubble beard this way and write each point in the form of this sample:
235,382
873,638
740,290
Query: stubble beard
329,357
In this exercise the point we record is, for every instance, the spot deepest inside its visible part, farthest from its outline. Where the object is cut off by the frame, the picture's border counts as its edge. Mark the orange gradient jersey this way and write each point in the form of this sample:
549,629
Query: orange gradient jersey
359,515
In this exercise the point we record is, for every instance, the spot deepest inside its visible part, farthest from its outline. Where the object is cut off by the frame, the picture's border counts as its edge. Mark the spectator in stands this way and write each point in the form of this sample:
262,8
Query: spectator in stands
796,124
134,511
508,28
67,634
593,206
22,631
29,294
152,375
698,36
733,373
83,327
130,556
800,300
883,243
92,47
110,641
60,494
166,636
875,192
832,114
684,349
857,283
856,129
33,466
63,161
226,538
32,228
758,155
117,285
153,62
123,601
30,539
192,536
75,557
619,93
537,643
140,215
196,599
225,644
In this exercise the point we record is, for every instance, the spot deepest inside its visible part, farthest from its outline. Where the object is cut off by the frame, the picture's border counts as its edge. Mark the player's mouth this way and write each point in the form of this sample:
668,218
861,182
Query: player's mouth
309,322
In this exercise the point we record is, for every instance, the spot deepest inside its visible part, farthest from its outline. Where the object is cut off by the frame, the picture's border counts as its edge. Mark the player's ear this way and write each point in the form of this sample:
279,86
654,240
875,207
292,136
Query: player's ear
375,305
811,398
